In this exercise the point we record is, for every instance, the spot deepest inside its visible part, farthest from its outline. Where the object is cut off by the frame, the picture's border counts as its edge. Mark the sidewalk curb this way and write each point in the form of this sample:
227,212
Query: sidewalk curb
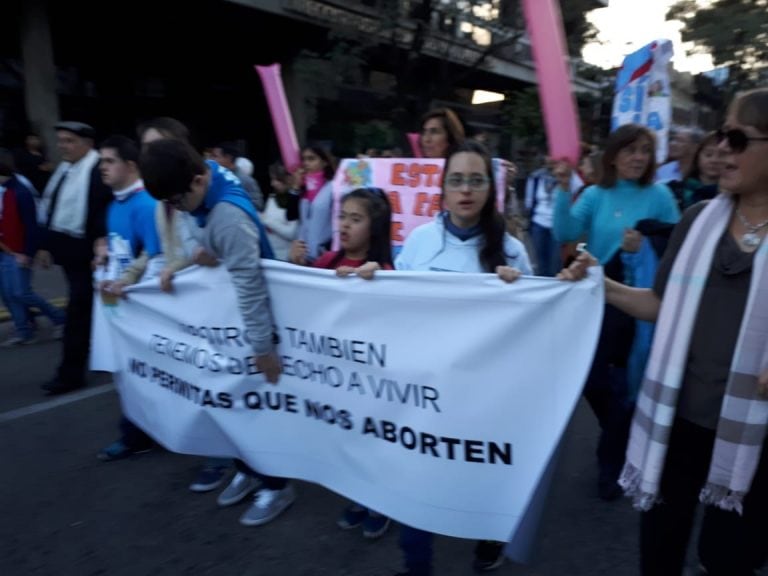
60,302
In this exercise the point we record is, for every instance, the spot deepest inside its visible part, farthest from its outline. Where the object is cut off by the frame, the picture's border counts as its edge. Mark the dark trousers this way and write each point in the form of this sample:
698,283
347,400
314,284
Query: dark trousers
133,436
416,546
74,255
269,482
729,544
546,249
606,391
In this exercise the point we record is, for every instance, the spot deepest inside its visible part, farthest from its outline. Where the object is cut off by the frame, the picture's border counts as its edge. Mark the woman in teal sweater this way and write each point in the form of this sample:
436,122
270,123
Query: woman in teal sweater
608,214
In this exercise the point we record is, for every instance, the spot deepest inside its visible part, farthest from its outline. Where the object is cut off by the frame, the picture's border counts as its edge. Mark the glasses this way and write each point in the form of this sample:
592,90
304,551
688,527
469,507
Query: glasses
737,139
458,182
175,200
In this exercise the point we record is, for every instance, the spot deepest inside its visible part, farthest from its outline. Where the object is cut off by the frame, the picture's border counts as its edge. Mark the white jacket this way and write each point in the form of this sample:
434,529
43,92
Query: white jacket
432,247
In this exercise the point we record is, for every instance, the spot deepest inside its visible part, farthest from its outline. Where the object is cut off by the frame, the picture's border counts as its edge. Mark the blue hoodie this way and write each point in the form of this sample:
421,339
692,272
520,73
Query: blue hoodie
225,187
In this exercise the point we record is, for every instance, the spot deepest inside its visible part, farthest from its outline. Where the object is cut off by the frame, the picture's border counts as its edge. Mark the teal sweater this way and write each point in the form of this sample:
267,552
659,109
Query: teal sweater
604,213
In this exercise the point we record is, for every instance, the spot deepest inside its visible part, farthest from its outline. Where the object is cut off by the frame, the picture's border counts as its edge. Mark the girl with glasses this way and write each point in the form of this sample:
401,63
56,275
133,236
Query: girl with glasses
469,236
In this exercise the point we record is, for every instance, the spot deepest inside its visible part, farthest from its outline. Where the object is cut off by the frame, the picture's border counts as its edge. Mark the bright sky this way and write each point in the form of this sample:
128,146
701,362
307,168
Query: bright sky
626,25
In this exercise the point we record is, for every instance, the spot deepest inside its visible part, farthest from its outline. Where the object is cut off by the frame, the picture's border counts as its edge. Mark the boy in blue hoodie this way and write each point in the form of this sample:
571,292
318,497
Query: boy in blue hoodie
229,228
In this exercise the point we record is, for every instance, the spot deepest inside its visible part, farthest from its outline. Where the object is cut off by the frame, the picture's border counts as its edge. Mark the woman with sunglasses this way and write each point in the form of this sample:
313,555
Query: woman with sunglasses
607,215
699,432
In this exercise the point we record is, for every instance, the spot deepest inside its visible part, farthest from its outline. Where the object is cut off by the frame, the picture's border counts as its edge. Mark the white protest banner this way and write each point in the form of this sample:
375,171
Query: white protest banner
643,94
436,399
412,186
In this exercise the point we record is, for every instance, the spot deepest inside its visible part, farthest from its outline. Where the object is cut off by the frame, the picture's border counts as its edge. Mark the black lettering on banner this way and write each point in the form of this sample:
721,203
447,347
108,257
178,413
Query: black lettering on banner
502,453
328,414
270,400
224,399
357,351
429,442
137,367
355,382
475,451
252,400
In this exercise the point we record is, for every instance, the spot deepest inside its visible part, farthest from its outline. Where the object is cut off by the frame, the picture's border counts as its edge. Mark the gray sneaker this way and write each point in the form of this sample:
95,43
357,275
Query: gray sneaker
267,505
240,486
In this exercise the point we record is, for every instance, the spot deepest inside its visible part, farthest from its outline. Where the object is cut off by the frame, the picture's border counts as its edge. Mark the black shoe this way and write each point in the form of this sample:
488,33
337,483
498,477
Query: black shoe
56,386
489,555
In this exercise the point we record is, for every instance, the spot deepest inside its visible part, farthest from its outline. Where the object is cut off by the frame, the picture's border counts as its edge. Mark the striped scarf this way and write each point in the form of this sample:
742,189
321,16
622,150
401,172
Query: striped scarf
743,422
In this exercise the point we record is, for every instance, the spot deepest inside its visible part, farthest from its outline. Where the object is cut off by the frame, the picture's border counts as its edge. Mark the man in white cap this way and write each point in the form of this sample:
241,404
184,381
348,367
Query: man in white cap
75,203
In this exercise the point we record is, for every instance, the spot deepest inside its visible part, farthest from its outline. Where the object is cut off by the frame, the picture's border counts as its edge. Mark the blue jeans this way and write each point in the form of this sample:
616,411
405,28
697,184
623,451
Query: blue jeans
547,250
16,291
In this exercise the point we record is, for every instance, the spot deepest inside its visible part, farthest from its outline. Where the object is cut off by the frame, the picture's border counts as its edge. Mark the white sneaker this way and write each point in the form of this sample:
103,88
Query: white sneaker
267,505
240,486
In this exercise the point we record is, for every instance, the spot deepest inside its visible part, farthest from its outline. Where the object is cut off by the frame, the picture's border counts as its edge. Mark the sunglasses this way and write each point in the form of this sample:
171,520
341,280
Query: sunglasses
737,139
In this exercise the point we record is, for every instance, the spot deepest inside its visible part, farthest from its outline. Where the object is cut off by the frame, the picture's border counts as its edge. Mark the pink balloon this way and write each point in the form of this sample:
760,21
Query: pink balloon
281,115
561,120
415,139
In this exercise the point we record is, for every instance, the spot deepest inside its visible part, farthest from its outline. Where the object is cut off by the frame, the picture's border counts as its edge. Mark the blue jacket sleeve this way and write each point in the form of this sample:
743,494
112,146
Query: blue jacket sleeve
571,221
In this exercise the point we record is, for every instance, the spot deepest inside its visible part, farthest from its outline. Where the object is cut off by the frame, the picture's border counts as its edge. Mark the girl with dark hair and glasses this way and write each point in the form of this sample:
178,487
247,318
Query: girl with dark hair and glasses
468,236
699,431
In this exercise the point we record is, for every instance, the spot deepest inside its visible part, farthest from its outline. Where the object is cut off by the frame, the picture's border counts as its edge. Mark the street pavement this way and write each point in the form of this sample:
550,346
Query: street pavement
63,512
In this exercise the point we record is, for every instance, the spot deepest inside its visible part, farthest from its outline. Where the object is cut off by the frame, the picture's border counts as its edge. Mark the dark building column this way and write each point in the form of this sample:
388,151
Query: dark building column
40,97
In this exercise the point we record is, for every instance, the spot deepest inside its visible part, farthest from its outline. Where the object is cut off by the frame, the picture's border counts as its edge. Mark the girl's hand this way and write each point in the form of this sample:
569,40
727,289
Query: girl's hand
508,274
367,270
298,253
578,268
166,280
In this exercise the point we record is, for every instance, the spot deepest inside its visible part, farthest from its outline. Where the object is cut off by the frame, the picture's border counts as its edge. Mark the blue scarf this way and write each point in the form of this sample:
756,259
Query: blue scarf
224,187
462,234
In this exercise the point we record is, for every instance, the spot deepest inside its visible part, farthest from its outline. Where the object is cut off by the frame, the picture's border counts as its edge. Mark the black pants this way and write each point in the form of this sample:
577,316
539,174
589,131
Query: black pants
729,544
133,436
74,255
606,390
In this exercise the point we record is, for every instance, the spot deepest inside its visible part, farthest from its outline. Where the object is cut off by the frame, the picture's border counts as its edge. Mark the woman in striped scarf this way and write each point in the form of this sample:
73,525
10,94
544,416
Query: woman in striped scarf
699,429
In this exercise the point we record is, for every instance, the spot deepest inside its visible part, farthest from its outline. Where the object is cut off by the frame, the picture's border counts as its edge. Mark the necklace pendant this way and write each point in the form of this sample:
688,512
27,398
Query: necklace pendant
750,239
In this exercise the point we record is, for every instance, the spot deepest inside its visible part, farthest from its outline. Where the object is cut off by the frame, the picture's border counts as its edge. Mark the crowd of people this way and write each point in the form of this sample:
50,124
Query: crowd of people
682,420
